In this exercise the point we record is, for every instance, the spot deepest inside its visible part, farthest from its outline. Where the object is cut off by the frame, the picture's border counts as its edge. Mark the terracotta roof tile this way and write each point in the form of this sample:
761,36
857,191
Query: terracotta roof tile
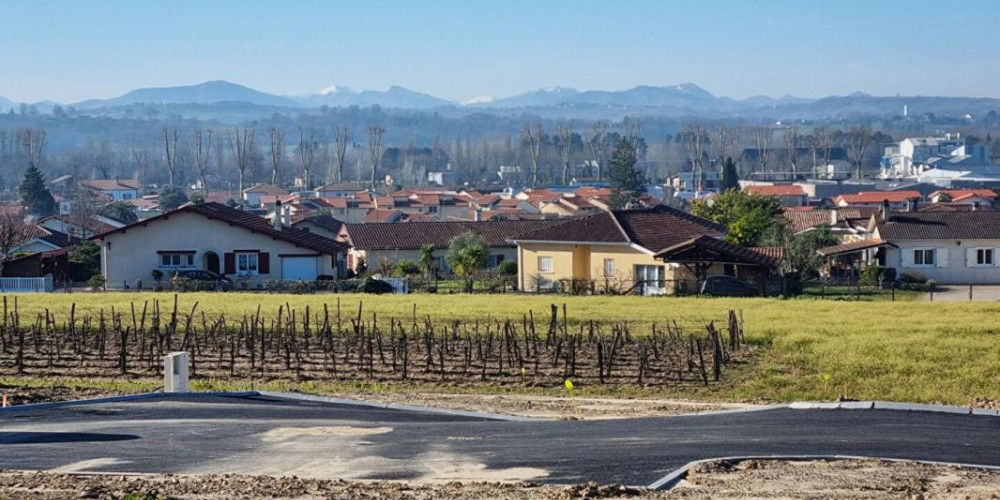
413,235
980,225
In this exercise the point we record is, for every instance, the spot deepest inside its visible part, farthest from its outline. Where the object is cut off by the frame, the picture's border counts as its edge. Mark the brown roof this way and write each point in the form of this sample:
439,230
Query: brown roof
341,186
799,220
880,196
779,190
413,235
979,225
248,221
706,248
112,184
854,246
651,228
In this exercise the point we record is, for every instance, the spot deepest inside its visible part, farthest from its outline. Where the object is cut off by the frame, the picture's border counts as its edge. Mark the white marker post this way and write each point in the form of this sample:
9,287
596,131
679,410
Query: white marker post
175,372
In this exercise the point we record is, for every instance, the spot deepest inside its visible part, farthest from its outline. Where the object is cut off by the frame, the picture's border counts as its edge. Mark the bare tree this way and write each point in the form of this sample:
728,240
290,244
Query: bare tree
171,152
694,141
597,143
341,137
14,232
277,151
374,134
632,131
565,132
534,141
763,136
33,141
792,140
202,149
858,141
819,146
307,155
242,144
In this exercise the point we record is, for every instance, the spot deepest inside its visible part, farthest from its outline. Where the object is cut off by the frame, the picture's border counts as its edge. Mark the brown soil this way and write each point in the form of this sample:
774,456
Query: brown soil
752,480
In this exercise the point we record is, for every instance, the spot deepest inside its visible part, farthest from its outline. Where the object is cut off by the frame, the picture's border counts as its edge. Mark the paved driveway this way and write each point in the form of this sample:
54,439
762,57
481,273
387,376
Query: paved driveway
269,435
959,293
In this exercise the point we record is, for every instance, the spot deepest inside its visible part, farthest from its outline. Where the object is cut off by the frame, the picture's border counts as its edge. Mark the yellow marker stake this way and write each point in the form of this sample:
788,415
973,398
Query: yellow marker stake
524,381
569,387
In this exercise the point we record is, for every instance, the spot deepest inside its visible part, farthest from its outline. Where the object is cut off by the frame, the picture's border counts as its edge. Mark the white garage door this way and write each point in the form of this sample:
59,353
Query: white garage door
298,268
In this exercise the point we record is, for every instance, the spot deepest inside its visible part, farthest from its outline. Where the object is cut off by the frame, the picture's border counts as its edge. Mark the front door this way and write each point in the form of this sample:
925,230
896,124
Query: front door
212,262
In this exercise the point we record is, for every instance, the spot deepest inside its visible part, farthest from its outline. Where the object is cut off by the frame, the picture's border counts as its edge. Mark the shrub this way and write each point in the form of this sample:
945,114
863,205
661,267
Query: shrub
872,274
301,287
156,274
889,274
406,268
96,282
912,277
372,285
507,268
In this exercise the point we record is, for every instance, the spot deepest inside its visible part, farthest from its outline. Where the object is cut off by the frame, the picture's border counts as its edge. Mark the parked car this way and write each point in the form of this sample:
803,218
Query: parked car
206,279
726,286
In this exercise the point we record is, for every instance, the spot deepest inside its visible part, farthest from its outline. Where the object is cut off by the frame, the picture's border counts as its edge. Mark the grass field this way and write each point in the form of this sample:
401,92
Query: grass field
811,349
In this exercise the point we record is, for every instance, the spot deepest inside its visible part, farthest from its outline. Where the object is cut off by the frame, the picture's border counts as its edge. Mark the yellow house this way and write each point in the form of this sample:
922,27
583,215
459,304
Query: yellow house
612,251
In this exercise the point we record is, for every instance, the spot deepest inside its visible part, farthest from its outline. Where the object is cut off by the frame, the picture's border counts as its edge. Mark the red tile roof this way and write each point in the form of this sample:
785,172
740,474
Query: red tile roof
270,189
880,196
779,190
962,194
112,184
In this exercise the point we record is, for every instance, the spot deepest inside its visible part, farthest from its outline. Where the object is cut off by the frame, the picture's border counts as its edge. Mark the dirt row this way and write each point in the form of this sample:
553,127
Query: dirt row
752,480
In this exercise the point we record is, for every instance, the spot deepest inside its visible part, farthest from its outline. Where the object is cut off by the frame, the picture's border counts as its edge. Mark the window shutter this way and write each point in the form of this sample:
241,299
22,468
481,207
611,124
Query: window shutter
263,263
970,257
942,257
230,259
996,253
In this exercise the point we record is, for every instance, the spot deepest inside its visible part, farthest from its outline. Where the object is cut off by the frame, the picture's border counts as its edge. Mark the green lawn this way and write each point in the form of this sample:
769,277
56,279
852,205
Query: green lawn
810,349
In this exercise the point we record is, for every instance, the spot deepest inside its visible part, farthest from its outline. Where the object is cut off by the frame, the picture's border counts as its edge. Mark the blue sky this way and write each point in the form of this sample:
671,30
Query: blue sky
72,50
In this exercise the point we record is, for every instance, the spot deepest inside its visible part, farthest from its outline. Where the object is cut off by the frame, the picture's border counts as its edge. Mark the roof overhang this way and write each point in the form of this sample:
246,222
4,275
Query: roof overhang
853,247
709,250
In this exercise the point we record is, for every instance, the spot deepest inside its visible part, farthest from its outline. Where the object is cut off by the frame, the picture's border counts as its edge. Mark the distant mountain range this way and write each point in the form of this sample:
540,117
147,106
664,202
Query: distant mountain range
674,100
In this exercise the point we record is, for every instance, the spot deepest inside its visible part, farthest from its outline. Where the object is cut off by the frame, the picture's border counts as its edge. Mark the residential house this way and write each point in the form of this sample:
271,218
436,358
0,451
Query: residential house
339,190
611,248
323,225
252,196
947,247
897,199
372,242
790,194
220,239
847,224
115,189
983,198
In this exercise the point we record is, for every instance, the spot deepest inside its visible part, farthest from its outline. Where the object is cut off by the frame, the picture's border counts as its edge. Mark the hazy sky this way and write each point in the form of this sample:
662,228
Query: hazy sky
77,49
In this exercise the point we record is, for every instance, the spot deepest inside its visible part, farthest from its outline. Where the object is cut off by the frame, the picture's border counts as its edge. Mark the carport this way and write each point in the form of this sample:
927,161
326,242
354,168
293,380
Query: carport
845,262
699,255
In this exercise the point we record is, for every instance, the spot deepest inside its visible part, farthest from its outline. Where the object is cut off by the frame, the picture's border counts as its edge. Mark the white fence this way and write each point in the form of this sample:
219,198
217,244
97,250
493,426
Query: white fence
26,285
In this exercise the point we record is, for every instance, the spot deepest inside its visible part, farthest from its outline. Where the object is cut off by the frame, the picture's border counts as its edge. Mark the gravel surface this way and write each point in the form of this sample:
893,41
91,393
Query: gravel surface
751,480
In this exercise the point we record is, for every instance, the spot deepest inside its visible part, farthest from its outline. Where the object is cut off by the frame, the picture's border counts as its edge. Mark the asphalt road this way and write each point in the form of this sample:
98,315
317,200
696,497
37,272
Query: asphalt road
267,435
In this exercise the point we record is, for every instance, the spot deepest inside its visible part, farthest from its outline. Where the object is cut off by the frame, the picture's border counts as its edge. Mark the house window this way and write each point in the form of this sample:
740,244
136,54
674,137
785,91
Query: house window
439,263
924,257
545,265
496,260
984,257
650,276
609,268
126,196
432,209
176,260
247,262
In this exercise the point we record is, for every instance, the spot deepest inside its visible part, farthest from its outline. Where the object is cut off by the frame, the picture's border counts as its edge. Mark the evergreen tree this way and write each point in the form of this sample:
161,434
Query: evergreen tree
35,195
627,182
730,177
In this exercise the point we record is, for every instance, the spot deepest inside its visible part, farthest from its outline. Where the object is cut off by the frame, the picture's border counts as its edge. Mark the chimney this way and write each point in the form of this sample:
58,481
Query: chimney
912,204
477,215
286,215
277,216
885,210
834,216
975,206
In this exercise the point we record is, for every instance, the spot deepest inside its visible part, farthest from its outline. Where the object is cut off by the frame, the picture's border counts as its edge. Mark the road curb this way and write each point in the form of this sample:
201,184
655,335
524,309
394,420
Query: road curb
891,405
671,480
